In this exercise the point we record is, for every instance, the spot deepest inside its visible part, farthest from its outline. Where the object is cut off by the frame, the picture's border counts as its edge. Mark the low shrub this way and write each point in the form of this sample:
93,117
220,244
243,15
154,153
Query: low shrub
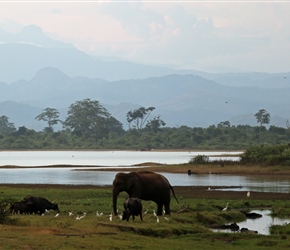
199,159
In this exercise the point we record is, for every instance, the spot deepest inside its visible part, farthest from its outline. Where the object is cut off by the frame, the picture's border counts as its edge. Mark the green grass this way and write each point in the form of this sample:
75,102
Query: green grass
186,230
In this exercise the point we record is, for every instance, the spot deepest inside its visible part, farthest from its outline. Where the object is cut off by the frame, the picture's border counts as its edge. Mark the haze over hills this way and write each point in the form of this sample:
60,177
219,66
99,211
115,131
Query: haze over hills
38,72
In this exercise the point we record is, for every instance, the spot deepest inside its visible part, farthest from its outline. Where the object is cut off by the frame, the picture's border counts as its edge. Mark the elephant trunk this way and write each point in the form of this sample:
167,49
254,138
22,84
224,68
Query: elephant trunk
115,196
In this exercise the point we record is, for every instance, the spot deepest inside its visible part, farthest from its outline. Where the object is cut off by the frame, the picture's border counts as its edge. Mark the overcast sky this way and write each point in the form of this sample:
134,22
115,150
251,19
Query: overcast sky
213,36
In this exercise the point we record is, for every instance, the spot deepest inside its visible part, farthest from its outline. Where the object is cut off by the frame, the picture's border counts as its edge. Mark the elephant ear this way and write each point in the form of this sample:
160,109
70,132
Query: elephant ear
132,178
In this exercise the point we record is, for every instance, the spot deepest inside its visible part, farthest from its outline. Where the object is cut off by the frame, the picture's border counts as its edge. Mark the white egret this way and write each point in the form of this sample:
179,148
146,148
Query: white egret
83,216
248,194
226,208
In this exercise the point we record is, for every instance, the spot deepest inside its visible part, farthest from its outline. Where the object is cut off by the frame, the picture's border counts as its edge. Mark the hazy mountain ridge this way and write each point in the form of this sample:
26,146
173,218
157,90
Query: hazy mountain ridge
179,99
33,35
38,72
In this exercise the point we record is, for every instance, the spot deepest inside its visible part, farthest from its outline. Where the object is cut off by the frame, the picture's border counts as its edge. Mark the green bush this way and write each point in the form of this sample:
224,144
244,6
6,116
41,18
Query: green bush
199,159
267,154
4,212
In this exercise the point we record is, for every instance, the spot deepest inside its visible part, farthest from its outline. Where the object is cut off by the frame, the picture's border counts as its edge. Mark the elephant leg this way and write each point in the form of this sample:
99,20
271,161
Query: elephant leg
159,208
167,209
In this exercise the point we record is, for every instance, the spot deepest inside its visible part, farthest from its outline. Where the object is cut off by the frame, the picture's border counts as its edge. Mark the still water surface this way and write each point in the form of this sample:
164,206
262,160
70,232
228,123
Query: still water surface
95,159
100,158
261,225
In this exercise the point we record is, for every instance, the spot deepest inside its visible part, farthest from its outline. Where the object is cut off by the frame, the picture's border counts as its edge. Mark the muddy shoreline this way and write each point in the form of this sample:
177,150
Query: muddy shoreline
184,191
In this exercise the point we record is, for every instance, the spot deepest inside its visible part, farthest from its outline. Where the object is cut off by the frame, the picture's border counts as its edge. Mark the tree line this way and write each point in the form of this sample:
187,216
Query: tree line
89,125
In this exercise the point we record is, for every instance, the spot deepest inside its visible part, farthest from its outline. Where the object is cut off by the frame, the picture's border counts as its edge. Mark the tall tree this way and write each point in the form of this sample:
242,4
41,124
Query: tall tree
225,124
263,117
139,116
5,125
49,115
89,118
155,124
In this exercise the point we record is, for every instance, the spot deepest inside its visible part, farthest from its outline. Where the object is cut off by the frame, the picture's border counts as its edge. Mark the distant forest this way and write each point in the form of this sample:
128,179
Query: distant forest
90,126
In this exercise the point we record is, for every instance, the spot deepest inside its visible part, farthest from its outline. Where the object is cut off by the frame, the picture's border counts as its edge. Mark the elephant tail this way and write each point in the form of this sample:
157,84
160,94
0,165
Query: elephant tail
174,193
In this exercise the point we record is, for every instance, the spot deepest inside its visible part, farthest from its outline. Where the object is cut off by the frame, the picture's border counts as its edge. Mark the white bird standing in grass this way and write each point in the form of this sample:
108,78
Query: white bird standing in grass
83,216
111,217
248,194
226,208
146,211
157,219
154,213
56,215
99,214
70,213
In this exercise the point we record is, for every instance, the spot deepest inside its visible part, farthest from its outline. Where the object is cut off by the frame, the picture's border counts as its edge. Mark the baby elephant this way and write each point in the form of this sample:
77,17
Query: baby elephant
132,206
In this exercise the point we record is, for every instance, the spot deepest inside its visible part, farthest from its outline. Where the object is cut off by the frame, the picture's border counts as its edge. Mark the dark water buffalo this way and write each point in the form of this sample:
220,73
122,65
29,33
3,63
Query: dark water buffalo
21,207
40,204
132,206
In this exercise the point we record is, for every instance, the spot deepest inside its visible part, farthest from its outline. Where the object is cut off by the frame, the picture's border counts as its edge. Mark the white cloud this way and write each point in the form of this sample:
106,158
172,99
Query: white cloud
208,36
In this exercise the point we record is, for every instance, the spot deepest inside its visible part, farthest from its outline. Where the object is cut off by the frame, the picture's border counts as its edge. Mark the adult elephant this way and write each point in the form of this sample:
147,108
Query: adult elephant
144,185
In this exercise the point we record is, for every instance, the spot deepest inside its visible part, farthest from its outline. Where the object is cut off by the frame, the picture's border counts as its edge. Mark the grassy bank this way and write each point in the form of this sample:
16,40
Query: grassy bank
233,168
186,228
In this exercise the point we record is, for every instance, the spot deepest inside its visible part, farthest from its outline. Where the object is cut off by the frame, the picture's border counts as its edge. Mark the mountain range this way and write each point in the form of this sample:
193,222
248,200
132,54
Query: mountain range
38,72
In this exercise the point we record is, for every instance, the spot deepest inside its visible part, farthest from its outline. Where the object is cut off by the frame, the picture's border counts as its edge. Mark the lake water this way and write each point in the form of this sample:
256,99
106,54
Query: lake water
261,225
115,159
100,158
